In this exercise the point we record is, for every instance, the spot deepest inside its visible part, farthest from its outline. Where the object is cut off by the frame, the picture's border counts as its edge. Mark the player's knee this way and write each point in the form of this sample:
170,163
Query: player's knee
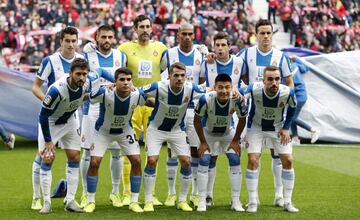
205,160
74,156
253,162
234,159
185,161
135,161
151,161
94,164
287,162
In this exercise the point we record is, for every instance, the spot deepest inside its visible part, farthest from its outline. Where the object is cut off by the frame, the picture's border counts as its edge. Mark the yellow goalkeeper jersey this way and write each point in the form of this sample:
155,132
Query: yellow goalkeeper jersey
144,61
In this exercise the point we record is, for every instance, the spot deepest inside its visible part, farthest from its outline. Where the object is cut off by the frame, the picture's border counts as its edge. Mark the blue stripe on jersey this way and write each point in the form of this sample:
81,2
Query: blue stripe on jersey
106,61
66,65
227,69
246,62
222,111
280,65
64,118
167,124
44,63
122,59
86,57
175,99
187,60
268,125
73,95
263,60
206,75
166,53
252,108
100,120
202,102
156,107
86,106
51,77
121,107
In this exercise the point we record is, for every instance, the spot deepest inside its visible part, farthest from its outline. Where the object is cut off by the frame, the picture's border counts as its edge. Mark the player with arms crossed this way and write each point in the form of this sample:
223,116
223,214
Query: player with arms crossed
215,110
266,124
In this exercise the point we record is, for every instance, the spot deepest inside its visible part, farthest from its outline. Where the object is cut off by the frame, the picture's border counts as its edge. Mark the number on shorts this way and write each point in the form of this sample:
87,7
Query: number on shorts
131,138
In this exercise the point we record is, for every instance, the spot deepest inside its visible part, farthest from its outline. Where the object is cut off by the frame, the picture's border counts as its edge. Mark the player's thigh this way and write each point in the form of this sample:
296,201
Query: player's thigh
225,141
254,138
87,131
178,144
153,144
71,140
279,148
193,139
56,132
128,144
101,143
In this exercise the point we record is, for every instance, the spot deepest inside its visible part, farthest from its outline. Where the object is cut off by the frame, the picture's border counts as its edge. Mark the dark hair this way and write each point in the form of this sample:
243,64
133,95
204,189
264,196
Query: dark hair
139,19
177,65
122,70
104,27
79,63
222,77
68,30
270,68
262,22
222,35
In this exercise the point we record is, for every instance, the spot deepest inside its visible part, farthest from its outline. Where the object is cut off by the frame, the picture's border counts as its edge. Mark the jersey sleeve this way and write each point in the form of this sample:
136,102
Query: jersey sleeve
202,70
241,108
292,98
248,90
164,61
286,66
197,91
150,90
45,69
52,98
99,96
142,97
201,106
105,74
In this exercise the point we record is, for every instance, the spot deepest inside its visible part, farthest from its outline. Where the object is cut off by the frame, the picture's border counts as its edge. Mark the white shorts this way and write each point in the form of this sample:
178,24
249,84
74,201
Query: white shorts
257,139
219,143
193,139
126,142
175,139
88,128
67,134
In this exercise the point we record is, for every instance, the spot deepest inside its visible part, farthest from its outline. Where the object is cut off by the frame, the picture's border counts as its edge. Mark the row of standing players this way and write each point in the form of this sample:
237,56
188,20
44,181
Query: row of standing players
146,59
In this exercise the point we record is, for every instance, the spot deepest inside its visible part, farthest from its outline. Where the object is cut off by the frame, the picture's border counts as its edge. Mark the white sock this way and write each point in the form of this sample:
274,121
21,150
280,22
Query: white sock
171,170
194,170
235,181
45,181
288,180
84,167
211,181
36,177
91,197
116,169
134,197
202,179
276,170
252,184
72,179
185,181
149,183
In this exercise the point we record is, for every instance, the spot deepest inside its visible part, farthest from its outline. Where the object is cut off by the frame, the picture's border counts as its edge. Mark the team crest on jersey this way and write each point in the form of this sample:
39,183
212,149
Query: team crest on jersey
133,107
274,63
197,62
117,63
236,71
134,53
155,53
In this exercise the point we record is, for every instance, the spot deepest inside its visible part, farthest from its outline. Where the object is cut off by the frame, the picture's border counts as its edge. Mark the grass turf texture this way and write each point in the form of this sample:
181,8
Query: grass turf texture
327,187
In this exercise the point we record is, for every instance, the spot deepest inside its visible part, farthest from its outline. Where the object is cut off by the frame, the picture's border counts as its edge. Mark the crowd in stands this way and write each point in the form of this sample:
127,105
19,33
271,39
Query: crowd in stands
28,27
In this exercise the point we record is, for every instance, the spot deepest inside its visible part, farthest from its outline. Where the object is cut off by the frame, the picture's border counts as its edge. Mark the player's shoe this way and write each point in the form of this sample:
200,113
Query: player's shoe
46,209
73,207
135,207
36,204
209,201
184,206
295,141
115,200
89,207
126,200
201,206
252,207
289,207
84,200
156,201
10,144
194,199
236,206
149,206
279,202
315,134
170,200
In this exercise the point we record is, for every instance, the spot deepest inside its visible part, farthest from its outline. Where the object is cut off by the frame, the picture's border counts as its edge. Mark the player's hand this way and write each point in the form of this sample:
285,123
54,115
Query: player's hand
89,47
236,147
202,148
202,48
110,87
48,154
210,58
235,94
284,136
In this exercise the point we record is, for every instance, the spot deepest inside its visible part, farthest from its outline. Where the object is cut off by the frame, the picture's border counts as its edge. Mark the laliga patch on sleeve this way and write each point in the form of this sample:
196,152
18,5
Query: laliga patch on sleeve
146,87
47,100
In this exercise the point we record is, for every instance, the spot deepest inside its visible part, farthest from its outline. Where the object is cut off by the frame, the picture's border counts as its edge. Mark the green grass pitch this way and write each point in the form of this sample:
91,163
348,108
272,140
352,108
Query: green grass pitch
327,187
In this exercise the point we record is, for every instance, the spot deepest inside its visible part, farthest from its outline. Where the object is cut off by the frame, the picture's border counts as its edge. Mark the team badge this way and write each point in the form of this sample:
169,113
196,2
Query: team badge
134,53
133,107
83,138
274,63
117,63
155,53
236,71
47,100
197,62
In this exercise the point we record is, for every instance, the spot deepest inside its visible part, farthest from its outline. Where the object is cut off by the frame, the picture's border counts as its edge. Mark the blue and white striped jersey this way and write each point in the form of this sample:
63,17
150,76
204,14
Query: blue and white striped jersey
170,108
53,67
268,112
191,60
116,112
217,117
256,61
234,67
61,102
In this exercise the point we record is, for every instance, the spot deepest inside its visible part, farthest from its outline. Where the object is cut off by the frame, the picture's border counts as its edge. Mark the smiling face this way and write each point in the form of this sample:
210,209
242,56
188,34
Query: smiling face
105,40
223,90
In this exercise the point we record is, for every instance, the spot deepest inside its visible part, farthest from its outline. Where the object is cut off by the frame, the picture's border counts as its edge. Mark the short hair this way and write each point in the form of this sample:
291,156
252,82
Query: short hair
222,35
140,18
79,63
270,68
262,22
222,77
68,30
177,65
185,25
122,70
104,27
